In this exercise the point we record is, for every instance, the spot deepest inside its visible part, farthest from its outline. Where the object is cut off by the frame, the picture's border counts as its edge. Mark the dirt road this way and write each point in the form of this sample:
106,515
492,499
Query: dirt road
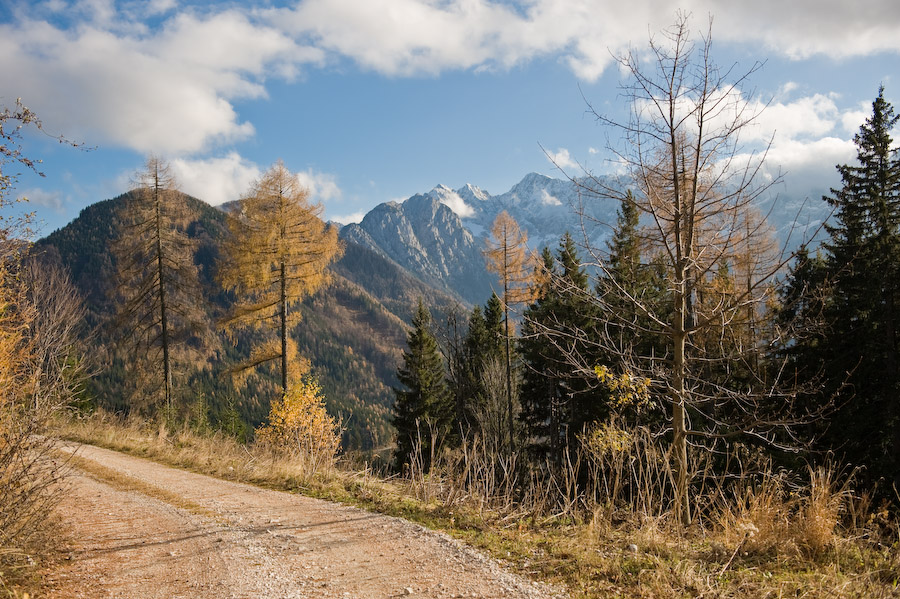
178,534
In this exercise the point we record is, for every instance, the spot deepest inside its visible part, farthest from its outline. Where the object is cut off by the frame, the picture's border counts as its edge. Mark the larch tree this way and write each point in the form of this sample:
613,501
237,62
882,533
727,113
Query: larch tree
694,185
508,257
277,254
157,278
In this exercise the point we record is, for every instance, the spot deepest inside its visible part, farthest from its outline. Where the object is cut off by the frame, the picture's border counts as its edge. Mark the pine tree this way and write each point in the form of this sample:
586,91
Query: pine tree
158,282
424,404
278,254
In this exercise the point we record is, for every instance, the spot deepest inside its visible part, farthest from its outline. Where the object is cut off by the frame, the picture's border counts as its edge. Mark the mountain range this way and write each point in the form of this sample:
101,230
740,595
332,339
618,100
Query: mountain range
439,236
429,246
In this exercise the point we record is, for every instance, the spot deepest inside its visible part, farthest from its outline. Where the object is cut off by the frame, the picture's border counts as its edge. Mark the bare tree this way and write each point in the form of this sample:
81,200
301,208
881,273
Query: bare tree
695,186
158,282
33,339
59,365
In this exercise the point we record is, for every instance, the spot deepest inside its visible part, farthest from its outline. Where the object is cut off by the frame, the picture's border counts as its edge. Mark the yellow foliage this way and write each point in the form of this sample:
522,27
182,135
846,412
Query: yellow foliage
507,257
278,252
299,424
625,389
606,439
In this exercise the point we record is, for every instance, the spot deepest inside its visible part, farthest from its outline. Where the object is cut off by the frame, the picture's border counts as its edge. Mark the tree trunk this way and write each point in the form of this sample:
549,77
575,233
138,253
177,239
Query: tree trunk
164,324
283,306
679,431
509,398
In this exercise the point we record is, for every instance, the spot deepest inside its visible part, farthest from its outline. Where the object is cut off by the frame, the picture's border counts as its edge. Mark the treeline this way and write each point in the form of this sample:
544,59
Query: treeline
689,325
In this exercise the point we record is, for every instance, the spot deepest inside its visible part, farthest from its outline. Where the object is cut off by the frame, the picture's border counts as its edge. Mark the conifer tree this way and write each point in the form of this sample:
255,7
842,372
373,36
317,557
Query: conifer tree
483,343
507,257
158,282
424,404
278,254
847,302
557,400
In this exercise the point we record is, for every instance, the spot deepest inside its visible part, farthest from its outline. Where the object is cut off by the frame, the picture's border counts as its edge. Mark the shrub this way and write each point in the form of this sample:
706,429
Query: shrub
300,426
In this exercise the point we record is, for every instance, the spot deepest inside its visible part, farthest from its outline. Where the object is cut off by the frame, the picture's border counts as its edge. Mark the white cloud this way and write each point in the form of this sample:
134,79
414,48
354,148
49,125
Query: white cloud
49,199
851,120
112,79
811,116
811,164
562,159
170,91
458,205
349,218
406,37
452,200
323,187
216,180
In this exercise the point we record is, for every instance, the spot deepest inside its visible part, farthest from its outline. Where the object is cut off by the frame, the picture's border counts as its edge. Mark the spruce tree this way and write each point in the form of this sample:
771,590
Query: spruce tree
557,401
858,289
425,403
483,344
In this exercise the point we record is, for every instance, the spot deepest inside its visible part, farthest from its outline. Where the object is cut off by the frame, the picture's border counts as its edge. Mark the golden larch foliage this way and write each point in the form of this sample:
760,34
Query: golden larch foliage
508,257
299,424
278,254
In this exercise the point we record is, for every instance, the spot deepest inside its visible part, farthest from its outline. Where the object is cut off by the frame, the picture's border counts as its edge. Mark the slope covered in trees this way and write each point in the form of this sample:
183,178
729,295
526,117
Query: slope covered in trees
351,335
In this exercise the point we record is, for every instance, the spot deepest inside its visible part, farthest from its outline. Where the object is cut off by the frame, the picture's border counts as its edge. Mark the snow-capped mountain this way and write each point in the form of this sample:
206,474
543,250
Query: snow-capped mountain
426,237
439,236
544,207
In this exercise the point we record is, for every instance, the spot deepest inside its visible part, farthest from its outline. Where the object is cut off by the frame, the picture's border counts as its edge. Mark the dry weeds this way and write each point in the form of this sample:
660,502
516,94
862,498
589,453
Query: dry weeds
765,538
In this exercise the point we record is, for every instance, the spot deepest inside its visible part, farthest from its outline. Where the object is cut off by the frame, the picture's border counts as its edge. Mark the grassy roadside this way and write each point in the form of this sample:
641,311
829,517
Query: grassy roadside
612,553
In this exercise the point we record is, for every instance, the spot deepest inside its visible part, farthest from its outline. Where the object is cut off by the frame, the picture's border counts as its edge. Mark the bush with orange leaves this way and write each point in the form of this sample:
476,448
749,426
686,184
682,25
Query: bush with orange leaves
300,427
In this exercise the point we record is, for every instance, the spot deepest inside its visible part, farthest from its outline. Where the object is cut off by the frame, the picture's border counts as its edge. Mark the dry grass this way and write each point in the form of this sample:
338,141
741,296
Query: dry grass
767,539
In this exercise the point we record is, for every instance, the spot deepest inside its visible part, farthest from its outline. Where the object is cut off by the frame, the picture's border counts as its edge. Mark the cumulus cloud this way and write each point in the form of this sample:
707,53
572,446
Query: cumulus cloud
230,177
323,187
169,91
216,180
406,37
562,159
100,68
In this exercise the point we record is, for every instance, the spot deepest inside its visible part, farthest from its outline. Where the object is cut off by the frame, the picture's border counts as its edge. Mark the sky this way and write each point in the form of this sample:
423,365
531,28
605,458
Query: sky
375,100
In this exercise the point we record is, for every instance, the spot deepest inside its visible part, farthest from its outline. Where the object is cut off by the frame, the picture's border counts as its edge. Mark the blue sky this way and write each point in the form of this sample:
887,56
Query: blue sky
374,100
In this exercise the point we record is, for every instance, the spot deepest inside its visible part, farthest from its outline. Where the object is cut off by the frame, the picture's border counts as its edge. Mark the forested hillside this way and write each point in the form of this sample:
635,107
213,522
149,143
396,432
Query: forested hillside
351,331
